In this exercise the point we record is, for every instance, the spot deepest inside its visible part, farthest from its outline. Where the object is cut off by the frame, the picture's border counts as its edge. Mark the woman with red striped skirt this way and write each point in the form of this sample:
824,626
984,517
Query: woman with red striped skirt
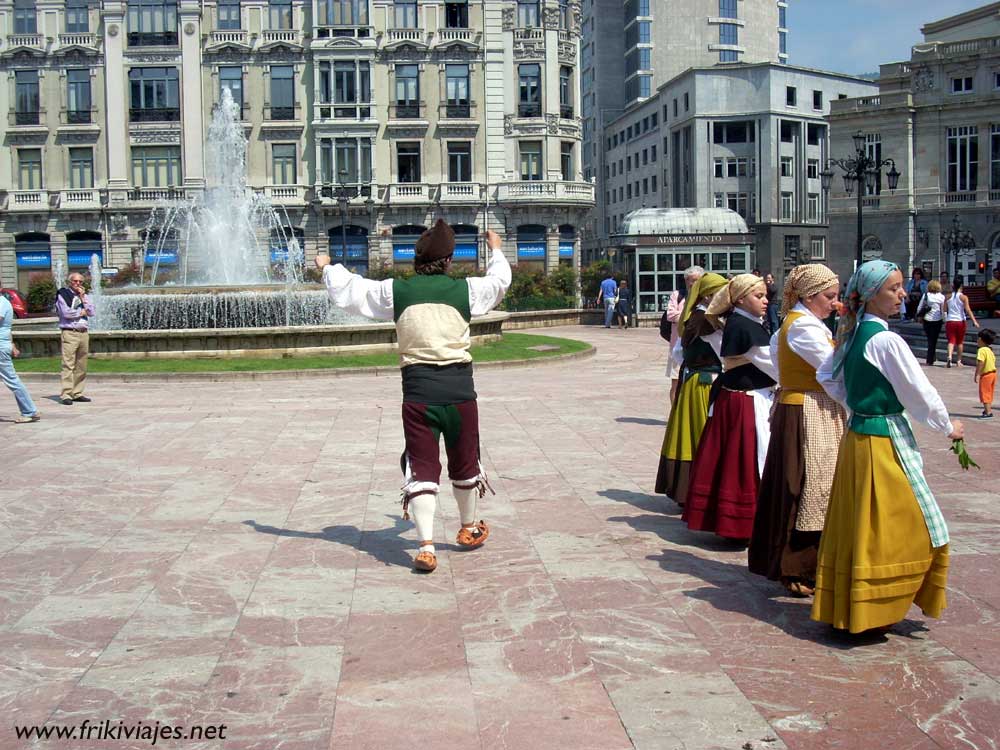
725,475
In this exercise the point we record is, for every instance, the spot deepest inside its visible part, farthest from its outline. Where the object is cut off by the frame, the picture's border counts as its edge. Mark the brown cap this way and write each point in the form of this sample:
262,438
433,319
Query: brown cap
436,243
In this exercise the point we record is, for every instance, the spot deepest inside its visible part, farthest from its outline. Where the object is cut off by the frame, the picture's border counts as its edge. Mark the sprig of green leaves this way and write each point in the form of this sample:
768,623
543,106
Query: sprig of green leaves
964,460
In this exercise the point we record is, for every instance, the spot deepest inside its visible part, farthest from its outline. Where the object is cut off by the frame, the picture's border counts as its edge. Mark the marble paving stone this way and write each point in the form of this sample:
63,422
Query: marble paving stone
235,554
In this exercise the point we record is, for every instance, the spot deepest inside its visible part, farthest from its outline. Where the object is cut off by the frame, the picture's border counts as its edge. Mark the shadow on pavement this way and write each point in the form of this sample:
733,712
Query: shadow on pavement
655,503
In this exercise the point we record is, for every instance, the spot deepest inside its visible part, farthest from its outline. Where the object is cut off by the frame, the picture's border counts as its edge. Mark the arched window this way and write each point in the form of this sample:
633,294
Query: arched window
81,246
33,251
404,241
531,248
567,244
349,245
466,243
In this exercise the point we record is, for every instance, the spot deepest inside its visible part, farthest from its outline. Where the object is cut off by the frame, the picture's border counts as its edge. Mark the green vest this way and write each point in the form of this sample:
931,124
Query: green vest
869,395
437,289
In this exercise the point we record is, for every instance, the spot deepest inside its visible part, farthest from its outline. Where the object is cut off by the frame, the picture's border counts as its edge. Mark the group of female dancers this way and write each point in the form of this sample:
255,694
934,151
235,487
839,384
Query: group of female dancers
798,444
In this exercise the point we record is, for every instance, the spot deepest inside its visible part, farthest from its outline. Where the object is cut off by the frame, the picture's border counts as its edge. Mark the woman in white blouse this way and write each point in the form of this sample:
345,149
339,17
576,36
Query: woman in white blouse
932,308
957,311
885,542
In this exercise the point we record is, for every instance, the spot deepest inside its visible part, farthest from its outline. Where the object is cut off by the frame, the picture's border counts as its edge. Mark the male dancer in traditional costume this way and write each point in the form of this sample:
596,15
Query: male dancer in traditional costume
432,313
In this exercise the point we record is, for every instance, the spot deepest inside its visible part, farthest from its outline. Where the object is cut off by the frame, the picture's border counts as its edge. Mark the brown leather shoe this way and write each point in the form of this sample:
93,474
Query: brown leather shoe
475,537
425,561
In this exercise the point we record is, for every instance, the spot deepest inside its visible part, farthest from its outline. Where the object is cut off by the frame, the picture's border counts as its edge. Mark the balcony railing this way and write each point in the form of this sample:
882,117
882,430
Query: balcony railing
566,111
405,35
244,110
354,32
409,192
77,116
33,41
156,194
27,117
528,33
963,197
460,192
529,110
405,111
291,36
453,35
284,194
228,36
327,111
154,114
994,196
457,110
872,201
80,198
79,40
281,113
545,190
152,39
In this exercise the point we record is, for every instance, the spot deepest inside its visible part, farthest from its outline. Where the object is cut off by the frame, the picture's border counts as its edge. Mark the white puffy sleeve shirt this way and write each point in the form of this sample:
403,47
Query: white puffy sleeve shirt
889,354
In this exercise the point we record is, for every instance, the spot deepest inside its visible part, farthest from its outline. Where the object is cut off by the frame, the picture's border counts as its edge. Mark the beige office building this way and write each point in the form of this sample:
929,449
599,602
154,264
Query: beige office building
365,119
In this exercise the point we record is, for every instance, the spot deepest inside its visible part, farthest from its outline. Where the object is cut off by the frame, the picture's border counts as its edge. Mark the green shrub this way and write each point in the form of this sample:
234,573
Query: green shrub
591,277
41,293
126,275
533,290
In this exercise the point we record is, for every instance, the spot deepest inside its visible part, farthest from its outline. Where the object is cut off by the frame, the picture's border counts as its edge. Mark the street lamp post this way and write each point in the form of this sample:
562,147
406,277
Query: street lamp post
342,199
863,170
956,240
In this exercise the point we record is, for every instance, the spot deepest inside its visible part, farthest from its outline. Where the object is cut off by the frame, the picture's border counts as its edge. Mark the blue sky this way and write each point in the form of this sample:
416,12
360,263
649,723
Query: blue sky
856,36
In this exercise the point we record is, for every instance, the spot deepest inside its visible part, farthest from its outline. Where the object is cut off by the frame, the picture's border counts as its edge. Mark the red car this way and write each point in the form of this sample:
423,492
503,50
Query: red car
16,300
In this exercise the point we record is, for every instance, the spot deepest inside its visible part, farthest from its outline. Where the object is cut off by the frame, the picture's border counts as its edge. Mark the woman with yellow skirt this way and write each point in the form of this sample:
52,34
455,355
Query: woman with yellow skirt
700,341
885,543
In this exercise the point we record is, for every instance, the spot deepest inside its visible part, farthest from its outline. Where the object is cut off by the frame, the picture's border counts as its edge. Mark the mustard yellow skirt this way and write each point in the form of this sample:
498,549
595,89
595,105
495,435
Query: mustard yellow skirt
684,428
875,555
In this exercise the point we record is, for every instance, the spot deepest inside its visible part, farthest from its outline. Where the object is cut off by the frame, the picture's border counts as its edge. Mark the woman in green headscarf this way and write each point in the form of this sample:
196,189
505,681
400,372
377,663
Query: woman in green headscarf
700,341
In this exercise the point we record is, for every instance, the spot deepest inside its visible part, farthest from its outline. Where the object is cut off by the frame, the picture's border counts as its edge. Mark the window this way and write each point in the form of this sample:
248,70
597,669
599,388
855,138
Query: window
812,207
564,14
81,168
283,164
792,246
27,105
565,92
729,33
961,85
782,17
645,86
351,82
786,166
728,55
527,13
873,149
353,160
407,91
229,14
456,15
994,157
405,14
817,100
730,167
645,186
687,101
727,9
29,168
791,96
78,95
408,162
996,80
342,12
719,168
282,92
813,133
459,161
231,79
152,22
645,157
77,16
783,43
653,183
279,14
817,248
154,95
720,200
652,153
566,160
737,202
812,169
741,166
25,19
788,131
457,90
963,158
531,160
786,206
675,108
156,166
529,90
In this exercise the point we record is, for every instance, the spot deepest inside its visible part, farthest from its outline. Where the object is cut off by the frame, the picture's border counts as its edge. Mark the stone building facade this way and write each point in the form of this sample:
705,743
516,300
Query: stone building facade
937,116
365,120
752,138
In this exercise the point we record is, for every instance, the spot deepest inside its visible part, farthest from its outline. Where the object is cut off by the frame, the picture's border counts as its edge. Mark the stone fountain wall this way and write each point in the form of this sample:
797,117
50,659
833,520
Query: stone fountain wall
243,342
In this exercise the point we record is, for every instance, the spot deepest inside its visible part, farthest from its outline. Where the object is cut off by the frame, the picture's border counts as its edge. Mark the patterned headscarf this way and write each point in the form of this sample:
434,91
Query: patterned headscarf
727,298
864,285
706,286
805,281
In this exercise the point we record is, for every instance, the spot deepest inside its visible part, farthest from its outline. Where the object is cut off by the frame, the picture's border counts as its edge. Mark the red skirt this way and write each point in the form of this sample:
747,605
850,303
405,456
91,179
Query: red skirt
722,496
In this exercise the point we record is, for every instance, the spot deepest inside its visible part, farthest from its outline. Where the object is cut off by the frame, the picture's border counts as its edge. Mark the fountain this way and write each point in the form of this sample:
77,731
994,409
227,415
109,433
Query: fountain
222,243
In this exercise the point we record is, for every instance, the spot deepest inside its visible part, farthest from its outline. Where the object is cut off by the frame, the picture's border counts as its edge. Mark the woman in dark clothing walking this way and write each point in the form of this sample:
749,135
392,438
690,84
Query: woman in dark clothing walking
624,307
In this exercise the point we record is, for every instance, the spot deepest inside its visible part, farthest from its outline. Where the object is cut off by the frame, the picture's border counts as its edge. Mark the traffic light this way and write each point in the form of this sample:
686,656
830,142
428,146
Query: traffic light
982,267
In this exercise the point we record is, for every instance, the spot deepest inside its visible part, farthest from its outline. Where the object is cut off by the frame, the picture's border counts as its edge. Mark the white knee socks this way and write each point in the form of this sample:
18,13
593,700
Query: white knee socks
466,499
422,512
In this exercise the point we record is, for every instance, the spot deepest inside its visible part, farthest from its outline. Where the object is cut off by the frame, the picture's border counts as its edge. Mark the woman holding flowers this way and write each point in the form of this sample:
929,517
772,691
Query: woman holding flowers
701,366
806,428
885,543
725,474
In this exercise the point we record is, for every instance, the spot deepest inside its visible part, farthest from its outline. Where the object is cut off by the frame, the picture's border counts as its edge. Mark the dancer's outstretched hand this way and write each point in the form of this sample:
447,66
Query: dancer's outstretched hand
322,261
493,240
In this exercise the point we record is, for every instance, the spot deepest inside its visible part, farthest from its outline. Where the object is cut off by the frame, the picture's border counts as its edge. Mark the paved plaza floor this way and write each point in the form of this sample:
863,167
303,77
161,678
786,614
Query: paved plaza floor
201,554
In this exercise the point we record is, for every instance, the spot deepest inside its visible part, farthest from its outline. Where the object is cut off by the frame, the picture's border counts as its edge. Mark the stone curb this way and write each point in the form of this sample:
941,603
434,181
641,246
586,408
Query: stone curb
261,375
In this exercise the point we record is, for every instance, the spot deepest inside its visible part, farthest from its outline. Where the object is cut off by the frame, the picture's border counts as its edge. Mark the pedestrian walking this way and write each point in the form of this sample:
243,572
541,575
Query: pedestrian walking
885,543
9,352
930,312
608,293
957,312
986,371
623,306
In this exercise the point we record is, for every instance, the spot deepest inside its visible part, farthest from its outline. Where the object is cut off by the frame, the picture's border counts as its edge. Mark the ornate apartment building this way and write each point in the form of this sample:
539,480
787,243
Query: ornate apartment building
365,119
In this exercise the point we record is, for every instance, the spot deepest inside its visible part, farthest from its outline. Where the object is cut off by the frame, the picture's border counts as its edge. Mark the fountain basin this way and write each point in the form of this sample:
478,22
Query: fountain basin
274,341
